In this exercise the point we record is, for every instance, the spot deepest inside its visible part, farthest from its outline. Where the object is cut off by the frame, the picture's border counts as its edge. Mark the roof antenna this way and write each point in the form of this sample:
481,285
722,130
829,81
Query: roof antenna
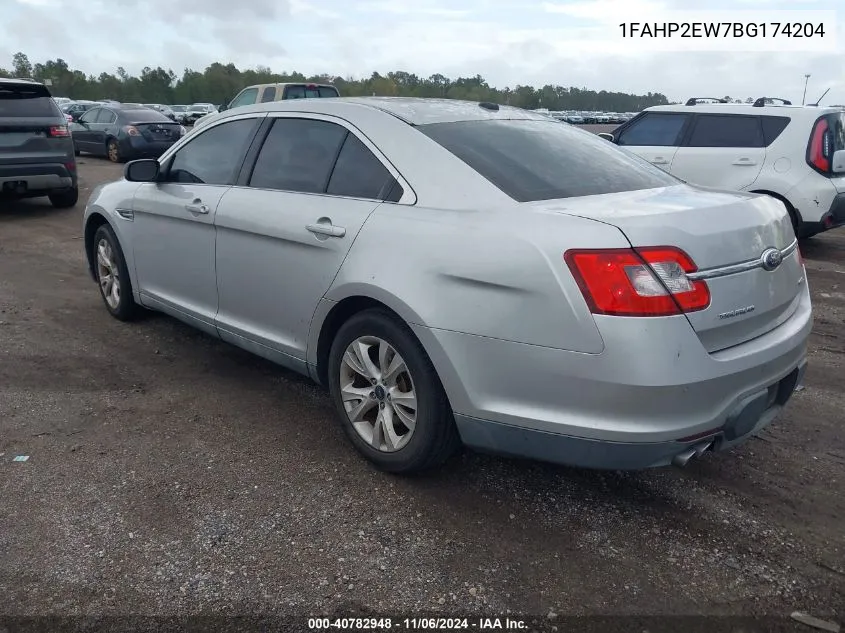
820,98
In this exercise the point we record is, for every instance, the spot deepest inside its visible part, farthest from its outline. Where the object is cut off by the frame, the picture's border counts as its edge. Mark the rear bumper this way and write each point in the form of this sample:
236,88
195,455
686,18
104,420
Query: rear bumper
751,415
832,218
37,178
631,406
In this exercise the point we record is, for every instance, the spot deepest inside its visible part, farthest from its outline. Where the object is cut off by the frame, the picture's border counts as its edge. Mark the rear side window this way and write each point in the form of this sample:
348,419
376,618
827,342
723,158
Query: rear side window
657,129
106,116
309,92
22,100
543,160
214,156
772,127
359,174
269,94
298,155
726,130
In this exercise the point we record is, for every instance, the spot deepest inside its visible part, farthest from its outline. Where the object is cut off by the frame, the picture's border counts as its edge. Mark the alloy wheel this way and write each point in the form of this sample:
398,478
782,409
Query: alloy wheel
107,274
378,393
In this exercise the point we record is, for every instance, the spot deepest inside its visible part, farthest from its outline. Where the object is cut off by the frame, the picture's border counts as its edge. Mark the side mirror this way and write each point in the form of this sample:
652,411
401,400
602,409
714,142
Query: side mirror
607,136
838,162
142,170
223,106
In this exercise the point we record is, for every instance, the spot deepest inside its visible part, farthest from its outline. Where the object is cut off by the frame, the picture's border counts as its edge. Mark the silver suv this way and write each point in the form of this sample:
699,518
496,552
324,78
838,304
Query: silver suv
36,149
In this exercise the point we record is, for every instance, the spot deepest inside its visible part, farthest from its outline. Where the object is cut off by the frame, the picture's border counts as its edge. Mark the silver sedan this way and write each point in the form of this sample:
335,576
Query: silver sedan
467,273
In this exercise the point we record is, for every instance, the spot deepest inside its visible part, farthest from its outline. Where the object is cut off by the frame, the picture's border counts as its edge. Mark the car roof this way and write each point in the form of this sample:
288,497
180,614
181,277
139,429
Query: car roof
746,108
412,110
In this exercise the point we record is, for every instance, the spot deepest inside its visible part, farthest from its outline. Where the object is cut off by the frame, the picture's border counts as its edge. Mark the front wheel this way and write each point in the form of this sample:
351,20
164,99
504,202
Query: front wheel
112,275
388,396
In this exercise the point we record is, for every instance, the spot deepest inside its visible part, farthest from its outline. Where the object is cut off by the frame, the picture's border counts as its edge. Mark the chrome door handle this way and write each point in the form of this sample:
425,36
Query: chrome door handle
745,161
197,207
326,229
659,160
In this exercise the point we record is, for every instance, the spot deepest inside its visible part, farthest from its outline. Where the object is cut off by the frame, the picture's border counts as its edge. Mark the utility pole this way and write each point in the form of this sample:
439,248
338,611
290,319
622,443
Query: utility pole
804,98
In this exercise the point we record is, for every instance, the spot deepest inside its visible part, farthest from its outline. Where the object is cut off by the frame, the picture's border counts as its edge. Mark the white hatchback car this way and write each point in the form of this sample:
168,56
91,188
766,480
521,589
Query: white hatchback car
793,153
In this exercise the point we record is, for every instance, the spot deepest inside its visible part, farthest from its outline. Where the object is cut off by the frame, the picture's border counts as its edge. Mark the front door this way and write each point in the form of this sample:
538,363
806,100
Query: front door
174,232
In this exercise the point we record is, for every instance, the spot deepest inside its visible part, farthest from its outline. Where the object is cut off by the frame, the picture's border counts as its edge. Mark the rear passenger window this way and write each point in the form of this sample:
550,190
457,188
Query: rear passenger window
655,129
298,155
359,174
726,130
772,127
106,116
269,94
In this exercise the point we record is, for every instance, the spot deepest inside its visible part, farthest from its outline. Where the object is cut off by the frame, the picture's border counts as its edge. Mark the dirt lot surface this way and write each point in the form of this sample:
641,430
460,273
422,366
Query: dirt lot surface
170,473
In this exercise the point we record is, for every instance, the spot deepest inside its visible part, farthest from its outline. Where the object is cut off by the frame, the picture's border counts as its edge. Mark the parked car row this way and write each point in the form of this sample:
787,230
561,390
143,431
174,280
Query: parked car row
578,118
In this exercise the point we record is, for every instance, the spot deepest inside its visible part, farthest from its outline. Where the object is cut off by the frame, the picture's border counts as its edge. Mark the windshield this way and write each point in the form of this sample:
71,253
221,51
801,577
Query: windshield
178,108
542,160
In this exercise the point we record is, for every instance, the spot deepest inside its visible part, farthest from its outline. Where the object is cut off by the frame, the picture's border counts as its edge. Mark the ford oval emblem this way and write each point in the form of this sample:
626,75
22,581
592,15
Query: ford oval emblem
771,259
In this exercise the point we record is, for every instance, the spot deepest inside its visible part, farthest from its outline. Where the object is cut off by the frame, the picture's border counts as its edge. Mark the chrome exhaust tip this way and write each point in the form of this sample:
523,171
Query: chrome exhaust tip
682,459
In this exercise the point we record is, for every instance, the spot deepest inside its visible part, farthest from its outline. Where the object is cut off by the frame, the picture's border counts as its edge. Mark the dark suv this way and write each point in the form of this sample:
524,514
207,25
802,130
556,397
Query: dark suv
36,149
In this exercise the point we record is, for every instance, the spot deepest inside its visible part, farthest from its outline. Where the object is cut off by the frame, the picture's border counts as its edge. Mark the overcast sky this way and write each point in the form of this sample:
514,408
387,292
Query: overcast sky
568,42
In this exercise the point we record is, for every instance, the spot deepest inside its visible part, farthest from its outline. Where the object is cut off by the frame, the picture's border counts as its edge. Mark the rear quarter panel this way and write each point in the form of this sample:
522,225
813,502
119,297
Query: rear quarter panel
495,273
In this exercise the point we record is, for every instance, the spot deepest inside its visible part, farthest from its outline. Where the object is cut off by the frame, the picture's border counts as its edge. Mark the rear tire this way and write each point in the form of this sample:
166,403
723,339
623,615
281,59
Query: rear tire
113,151
404,422
64,199
112,275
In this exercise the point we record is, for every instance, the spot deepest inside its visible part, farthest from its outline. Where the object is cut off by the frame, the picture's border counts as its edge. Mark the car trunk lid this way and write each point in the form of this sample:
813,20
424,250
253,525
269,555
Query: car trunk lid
159,131
726,236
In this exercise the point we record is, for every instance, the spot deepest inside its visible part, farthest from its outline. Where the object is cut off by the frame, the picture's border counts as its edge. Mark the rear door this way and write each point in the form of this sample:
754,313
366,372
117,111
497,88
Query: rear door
32,128
722,150
103,128
655,136
282,238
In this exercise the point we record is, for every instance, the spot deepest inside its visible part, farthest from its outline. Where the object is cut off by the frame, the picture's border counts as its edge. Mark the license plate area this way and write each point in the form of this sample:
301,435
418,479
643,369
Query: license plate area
16,139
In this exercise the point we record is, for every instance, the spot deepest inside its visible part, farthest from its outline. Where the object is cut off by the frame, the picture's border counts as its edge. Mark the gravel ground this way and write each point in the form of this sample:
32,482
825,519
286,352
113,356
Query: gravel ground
170,473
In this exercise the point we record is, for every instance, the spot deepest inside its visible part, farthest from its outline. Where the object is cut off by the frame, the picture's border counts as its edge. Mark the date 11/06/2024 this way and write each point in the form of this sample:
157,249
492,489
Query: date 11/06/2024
417,624
722,29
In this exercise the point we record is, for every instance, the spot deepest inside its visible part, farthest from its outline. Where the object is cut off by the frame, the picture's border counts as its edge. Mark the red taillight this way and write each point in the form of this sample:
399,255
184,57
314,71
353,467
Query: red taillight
59,131
641,282
131,130
71,166
818,154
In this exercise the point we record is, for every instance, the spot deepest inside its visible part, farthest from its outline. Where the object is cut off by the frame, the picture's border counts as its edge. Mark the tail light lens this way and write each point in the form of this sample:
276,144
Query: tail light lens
59,131
641,282
131,130
821,142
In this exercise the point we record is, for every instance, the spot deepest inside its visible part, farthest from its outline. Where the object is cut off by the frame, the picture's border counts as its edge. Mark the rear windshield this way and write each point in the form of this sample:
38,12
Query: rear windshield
305,92
145,115
544,160
27,101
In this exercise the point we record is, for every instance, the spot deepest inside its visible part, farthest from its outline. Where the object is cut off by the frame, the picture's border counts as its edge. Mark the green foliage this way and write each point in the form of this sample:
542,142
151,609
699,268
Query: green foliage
221,82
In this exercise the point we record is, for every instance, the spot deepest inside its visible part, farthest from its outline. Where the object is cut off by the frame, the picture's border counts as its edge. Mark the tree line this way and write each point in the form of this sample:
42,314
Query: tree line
219,83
